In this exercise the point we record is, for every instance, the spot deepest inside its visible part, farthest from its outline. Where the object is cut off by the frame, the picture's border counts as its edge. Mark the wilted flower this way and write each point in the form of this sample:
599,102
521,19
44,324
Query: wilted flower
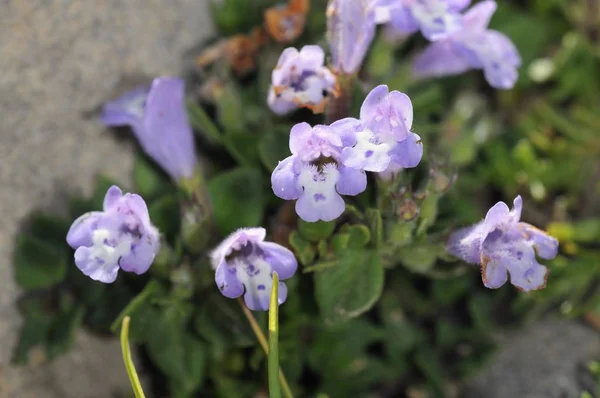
434,18
285,22
120,236
301,80
315,175
244,264
473,47
503,245
351,28
159,121
381,140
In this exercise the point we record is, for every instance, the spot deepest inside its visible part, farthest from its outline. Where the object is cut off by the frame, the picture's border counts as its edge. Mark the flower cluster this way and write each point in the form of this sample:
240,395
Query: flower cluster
503,245
244,264
473,47
330,161
301,80
120,236
158,117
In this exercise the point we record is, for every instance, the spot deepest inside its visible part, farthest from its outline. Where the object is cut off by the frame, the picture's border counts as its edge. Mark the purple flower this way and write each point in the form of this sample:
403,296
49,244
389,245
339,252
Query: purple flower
244,264
473,47
503,245
436,19
315,175
119,236
301,80
351,28
381,140
159,121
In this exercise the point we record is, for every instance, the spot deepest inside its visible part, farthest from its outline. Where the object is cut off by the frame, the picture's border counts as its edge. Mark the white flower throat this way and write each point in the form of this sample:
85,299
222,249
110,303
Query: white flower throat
101,251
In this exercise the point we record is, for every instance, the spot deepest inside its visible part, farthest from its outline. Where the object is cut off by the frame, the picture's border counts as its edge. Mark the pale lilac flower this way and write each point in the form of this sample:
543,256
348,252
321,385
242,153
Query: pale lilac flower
120,236
473,47
503,245
244,264
301,80
158,117
436,19
381,140
314,175
351,28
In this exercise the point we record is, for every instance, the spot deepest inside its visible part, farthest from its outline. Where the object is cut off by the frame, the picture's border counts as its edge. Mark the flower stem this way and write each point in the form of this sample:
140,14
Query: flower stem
339,106
273,355
262,340
129,366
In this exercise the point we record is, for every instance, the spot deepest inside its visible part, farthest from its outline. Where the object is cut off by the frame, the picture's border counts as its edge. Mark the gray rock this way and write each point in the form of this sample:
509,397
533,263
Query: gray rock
544,360
60,60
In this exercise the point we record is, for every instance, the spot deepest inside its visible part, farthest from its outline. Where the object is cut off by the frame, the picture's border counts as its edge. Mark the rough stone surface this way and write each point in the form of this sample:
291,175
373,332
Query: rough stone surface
59,61
546,360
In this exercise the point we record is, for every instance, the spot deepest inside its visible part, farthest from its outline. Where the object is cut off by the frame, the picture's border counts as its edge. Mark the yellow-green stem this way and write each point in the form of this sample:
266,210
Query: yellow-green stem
129,366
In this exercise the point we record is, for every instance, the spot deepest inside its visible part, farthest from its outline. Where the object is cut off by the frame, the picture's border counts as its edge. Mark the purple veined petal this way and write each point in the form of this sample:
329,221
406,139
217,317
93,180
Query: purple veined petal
280,73
227,280
402,105
407,153
465,243
278,105
319,200
101,272
508,249
142,253
346,129
479,16
351,181
498,213
515,213
284,180
367,154
112,197
125,110
373,101
546,246
493,273
313,56
256,275
440,59
169,140
80,232
281,259
299,135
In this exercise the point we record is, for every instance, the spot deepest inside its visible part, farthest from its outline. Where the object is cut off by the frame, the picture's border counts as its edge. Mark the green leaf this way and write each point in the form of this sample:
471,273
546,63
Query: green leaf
349,288
428,361
315,231
420,257
359,236
238,199
303,249
375,223
52,230
165,214
175,351
62,334
340,241
273,147
39,264
36,326
203,124
135,308
148,181
400,234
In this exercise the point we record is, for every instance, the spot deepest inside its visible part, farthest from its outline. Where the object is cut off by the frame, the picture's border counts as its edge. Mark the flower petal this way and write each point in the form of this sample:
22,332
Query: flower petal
497,214
346,129
465,243
142,254
227,280
351,181
407,153
284,180
440,58
546,246
125,110
282,260
478,16
299,135
320,200
112,197
313,56
278,104
367,154
373,101
80,232
95,268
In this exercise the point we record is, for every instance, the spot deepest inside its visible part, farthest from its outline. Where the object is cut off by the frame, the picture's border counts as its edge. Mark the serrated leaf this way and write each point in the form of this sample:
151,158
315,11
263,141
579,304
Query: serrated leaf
315,231
237,198
349,288
39,264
